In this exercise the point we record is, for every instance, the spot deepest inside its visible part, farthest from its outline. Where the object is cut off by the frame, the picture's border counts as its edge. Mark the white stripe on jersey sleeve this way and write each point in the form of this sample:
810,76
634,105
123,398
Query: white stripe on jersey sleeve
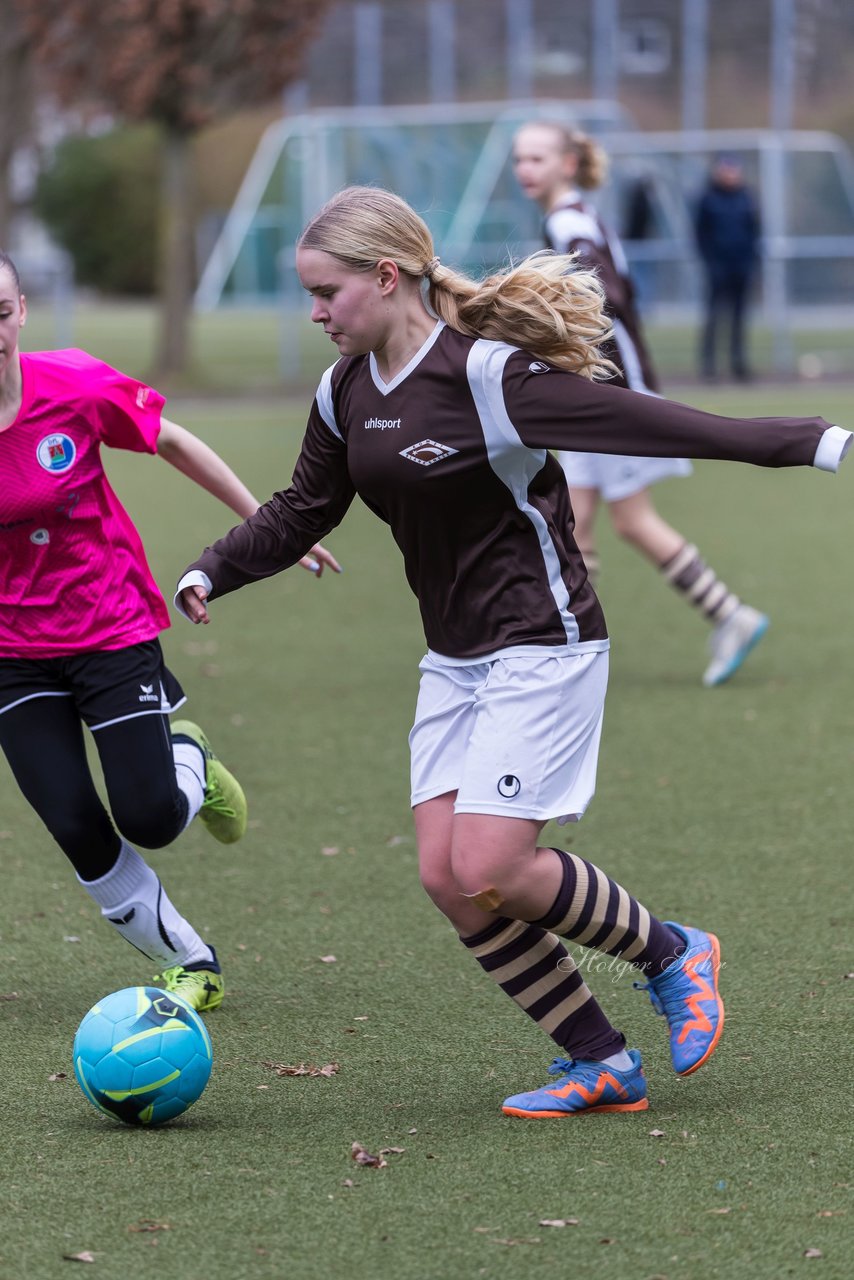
511,460
324,402
565,225
630,358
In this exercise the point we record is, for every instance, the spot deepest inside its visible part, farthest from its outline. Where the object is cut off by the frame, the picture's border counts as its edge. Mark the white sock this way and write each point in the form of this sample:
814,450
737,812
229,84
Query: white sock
132,898
619,1061
190,775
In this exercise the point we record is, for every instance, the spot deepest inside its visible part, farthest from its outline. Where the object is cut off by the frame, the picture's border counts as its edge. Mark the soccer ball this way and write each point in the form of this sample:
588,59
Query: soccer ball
142,1055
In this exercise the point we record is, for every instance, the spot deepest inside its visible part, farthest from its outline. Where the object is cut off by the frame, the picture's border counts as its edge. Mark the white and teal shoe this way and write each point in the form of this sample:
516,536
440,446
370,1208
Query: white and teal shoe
732,641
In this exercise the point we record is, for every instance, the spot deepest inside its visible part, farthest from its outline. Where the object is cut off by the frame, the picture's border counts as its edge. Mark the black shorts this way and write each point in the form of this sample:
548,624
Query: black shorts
107,686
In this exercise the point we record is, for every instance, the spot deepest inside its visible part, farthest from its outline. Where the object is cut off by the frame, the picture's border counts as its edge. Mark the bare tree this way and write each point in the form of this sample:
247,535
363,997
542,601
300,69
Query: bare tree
181,64
16,104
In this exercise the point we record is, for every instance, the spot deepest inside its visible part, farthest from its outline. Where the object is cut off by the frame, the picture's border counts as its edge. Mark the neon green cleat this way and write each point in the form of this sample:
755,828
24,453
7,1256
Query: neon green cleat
224,811
200,987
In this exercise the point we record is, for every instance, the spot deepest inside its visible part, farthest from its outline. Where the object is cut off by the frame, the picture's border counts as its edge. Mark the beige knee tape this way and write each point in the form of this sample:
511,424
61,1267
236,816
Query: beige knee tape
487,900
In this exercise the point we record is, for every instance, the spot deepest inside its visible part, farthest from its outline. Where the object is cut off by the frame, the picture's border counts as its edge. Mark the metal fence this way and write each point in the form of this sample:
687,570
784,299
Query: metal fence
453,164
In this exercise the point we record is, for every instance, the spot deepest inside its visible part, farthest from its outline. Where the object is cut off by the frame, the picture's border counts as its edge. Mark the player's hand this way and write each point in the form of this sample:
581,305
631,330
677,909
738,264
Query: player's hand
317,558
193,602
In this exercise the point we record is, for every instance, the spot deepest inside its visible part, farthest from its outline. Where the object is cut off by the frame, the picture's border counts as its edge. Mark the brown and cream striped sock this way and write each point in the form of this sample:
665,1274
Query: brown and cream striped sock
535,969
688,573
594,911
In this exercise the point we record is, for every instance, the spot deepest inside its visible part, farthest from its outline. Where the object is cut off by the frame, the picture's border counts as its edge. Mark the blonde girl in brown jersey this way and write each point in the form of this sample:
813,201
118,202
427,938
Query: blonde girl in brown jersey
554,166
511,700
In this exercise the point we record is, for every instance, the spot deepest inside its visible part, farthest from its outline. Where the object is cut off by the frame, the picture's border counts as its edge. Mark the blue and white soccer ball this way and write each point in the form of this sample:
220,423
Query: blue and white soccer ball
142,1055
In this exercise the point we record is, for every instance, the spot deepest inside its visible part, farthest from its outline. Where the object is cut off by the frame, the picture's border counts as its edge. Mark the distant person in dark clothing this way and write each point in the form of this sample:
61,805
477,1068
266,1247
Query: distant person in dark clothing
640,224
727,229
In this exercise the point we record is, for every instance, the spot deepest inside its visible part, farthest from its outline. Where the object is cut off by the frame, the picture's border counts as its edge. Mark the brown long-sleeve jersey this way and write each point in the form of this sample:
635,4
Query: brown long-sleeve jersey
453,454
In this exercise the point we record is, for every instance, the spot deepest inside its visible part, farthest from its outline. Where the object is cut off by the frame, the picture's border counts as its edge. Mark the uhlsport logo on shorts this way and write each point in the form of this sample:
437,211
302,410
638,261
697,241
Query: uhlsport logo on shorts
509,786
56,453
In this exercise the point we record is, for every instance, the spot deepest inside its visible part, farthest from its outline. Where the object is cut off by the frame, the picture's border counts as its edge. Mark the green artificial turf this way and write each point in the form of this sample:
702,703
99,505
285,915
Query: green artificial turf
729,808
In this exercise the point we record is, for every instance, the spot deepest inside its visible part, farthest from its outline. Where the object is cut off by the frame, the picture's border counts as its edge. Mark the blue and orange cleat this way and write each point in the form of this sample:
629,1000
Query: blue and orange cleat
687,996
582,1088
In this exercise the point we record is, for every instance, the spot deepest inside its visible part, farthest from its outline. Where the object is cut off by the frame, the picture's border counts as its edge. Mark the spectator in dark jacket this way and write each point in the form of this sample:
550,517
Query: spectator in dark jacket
727,229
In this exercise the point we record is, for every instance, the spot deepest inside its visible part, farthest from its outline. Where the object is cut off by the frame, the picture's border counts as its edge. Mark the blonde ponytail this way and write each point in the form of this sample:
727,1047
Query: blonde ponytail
592,161
543,304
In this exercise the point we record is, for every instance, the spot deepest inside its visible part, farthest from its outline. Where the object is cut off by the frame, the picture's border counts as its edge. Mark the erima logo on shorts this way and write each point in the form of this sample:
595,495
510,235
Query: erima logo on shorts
426,452
538,366
148,694
56,453
509,786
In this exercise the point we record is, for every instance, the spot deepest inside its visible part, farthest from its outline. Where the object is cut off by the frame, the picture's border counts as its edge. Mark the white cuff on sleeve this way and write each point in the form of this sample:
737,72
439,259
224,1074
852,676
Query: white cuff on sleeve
195,578
832,448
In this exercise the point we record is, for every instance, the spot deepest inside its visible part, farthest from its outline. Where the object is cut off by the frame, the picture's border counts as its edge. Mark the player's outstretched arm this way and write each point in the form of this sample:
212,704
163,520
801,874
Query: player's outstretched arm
199,463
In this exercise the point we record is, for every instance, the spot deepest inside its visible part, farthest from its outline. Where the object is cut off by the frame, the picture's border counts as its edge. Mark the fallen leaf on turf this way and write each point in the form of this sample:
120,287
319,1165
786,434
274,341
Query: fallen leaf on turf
657,1133
411,1130
327,959
719,1211
361,1018
392,1151
328,1070
661,1161
149,1224
85,1256
484,1231
558,1222
607,1240
361,1156
70,937
9,995
58,1075
813,1253
348,1182
519,1240
330,850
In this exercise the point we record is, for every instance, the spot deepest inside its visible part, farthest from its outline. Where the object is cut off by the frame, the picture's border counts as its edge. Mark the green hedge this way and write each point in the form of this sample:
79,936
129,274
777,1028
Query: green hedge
99,200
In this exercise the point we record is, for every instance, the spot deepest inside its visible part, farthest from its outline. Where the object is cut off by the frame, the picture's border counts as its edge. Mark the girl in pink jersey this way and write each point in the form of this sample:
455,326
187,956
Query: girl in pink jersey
551,163
441,414
80,616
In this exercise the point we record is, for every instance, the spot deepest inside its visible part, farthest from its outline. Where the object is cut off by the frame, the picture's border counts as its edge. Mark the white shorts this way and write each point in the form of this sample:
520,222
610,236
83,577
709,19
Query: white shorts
515,736
616,476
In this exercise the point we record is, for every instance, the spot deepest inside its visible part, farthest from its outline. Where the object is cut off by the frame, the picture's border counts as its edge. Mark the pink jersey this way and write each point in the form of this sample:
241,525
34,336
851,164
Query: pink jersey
73,573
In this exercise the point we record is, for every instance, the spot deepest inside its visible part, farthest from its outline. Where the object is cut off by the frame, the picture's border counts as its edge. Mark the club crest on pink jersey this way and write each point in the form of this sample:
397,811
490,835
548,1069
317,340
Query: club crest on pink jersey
56,453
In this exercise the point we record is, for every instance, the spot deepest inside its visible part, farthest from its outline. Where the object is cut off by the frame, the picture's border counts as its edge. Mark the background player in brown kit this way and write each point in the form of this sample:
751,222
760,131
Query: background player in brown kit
510,707
553,165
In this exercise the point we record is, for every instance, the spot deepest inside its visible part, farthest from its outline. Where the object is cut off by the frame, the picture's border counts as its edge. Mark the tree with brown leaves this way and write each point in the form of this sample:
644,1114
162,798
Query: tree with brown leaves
180,64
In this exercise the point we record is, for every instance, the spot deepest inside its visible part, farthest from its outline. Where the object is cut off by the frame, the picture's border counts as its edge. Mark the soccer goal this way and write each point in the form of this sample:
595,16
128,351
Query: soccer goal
452,163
